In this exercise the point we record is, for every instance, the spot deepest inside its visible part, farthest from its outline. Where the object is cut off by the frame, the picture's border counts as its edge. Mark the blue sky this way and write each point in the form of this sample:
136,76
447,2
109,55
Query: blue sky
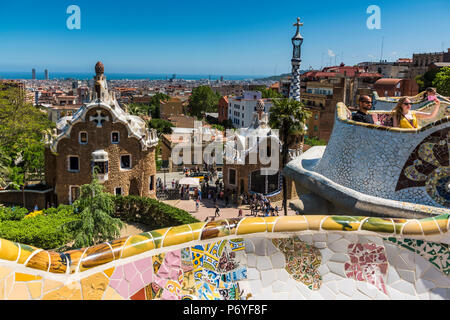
249,37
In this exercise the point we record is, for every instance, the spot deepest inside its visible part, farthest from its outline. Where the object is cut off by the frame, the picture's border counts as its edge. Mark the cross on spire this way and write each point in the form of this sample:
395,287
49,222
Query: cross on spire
298,24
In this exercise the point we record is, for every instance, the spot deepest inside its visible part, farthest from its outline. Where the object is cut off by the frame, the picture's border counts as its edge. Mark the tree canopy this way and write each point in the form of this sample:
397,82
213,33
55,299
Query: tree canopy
153,108
442,81
203,99
161,126
23,131
289,117
95,208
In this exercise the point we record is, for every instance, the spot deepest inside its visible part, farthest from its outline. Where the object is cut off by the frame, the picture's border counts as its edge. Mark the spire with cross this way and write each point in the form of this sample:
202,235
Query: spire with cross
297,42
298,24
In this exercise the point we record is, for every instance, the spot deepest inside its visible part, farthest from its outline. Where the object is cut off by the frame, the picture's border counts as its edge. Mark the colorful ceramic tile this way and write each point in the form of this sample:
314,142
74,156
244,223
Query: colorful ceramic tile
290,223
188,284
186,260
378,225
137,244
368,262
438,254
302,261
9,250
342,223
251,225
157,262
230,292
178,235
237,244
215,229
95,256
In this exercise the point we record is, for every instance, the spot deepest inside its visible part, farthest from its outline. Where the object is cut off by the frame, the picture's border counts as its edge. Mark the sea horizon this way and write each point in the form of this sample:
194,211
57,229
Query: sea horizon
22,75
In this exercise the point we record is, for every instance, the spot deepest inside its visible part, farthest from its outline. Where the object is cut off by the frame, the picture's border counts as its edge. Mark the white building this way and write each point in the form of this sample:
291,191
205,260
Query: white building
241,109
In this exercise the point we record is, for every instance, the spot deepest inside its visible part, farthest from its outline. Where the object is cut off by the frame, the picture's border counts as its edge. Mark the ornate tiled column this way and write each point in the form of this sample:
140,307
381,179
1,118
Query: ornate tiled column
297,40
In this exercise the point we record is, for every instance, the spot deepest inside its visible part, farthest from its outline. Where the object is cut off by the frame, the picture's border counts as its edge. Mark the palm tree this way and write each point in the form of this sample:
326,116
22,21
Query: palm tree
289,117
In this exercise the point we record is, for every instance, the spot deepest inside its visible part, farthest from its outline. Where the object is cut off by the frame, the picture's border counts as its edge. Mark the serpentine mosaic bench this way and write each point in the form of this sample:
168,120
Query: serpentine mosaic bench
293,257
371,169
388,103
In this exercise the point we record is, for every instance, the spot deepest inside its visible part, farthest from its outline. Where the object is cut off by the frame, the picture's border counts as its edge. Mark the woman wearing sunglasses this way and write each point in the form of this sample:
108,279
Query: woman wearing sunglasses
405,118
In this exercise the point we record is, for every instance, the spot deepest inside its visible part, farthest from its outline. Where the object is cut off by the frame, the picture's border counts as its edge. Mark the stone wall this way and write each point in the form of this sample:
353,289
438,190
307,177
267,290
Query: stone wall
296,257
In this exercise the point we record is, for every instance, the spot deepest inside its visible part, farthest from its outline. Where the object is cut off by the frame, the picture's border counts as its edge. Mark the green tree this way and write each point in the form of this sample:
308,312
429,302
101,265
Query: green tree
95,208
152,108
23,132
156,103
289,117
203,99
442,81
161,126
271,94
426,80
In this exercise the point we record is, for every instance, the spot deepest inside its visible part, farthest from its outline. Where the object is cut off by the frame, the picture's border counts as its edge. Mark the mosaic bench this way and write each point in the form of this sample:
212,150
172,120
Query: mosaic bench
288,257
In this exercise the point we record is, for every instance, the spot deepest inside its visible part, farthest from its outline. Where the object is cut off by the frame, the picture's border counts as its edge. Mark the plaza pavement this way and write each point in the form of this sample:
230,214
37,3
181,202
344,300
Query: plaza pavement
207,209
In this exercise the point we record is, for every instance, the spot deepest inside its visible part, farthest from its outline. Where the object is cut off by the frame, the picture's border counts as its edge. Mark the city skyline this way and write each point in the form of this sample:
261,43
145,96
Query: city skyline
206,38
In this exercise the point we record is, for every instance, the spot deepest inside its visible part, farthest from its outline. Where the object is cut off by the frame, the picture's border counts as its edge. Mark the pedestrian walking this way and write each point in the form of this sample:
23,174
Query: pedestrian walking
217,212
197,205
240,213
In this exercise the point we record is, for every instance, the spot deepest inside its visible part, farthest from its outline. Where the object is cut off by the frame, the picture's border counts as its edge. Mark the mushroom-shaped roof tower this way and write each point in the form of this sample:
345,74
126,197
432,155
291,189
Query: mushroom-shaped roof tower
99,68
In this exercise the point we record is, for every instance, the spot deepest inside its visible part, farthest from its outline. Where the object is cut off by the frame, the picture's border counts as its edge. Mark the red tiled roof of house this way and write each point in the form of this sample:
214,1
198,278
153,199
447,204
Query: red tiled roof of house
387,82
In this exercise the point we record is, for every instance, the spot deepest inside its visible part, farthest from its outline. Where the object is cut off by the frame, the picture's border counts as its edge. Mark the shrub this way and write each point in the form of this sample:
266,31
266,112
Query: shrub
43,231
150,212
12,214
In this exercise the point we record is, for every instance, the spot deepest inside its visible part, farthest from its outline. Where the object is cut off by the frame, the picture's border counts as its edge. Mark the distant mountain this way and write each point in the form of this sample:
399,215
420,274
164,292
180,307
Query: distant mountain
278,78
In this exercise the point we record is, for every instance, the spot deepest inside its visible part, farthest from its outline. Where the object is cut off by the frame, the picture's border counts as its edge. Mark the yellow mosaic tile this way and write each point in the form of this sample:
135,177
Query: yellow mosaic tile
442,222
2,290
178,235
40,261
341,223
252,225
8,250
75,257
95,256
137,244
270,223
314,222
19,292
35,289
9,283
117,246
23,277
429,226
289,223
109,272
51,285
398,225
197,229
69,292
158,236
93,287
412,227
111,294
4,272
232,224
57,264
25,253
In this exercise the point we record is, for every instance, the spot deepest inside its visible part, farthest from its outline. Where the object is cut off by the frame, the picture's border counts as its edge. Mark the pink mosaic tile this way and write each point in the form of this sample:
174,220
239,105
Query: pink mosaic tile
368,263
